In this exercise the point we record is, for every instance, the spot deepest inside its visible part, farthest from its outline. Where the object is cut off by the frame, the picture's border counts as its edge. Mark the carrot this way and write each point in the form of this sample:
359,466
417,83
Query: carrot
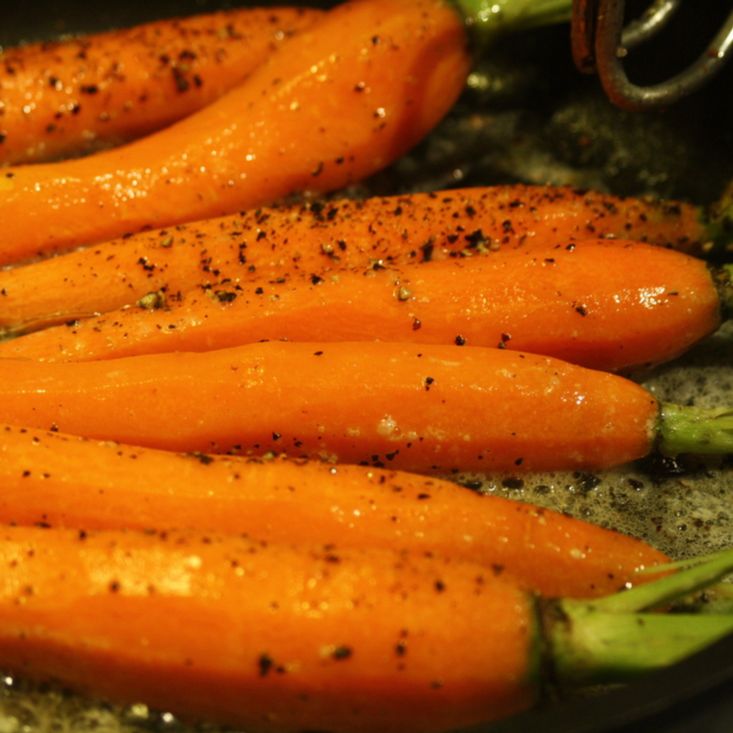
271,638
335,104
277,242
62,480
599,304
81,94
426,408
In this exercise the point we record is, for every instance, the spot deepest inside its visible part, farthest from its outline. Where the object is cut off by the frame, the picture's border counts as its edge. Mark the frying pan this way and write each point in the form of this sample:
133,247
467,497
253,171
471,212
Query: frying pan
530,117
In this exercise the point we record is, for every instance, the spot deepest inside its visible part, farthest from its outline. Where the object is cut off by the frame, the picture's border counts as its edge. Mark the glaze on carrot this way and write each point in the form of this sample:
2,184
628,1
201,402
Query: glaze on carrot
336,103
315,239
62,98
281,639
66,481
418,407
604,305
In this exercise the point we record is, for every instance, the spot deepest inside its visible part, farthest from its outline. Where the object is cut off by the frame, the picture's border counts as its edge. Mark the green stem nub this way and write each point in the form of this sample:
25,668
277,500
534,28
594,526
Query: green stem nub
723,277
488,19
606,648
695,430
607,640
718,221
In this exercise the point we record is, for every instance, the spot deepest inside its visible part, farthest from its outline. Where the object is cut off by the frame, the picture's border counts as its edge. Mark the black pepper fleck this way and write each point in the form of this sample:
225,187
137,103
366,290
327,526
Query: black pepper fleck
264,664
342,652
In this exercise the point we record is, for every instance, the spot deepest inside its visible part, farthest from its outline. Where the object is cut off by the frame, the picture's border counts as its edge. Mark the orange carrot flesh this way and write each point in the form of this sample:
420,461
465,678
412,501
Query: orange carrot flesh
336,103
605,305
66,481
427,408
77,95
264,637
281,242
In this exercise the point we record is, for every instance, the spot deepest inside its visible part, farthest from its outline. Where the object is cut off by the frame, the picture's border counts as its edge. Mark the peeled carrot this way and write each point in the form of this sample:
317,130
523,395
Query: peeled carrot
271,638
262,637
336,103
426,408
62,98
601,304
316,239
62,480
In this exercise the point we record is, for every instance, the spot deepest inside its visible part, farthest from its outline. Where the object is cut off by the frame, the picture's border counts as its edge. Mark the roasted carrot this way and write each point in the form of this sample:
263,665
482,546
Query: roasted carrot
272,638
76,95
335,104
427,408
67,481
315,239
605,305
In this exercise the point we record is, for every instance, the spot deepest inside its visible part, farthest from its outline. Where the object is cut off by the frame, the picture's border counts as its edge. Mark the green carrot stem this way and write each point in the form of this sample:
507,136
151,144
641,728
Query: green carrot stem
723,277
695,430
718,221
596,648
488,19
607,640
684,564
667,589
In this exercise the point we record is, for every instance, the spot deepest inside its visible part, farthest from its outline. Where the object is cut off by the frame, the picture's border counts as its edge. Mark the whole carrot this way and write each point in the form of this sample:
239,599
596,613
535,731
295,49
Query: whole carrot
62,480
63,98
605,305
425,408
315,239
271,638
336,103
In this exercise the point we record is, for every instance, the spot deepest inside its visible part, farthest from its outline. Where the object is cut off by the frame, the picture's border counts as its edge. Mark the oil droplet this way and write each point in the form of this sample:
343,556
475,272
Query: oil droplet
387,426
193,562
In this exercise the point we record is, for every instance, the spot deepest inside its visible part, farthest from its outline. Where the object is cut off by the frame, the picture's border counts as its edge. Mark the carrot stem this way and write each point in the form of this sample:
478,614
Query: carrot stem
489,18
704,431
597,648
669,588
609,641
723,278
718,221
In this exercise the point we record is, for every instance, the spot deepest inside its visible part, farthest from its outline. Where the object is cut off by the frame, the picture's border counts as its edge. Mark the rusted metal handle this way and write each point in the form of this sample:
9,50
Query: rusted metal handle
600,43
